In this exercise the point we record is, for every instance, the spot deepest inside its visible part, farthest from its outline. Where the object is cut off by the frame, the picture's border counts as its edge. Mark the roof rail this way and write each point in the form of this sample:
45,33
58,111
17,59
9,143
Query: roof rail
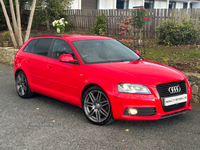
48,35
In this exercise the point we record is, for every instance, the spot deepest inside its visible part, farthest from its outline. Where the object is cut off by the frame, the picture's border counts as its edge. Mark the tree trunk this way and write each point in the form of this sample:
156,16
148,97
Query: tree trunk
14,20
8,24
48,26
47,20
19,22
30,21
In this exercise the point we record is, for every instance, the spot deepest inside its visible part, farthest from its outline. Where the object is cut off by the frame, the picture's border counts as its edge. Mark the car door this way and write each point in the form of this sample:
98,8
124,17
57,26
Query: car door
62,77
36,63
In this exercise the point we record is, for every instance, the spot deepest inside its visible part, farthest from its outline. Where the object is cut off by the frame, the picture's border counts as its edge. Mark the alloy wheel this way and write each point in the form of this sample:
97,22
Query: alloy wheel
21,84
97,106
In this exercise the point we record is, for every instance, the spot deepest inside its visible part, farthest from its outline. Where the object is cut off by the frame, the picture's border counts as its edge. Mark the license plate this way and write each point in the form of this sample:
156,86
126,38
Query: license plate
175,100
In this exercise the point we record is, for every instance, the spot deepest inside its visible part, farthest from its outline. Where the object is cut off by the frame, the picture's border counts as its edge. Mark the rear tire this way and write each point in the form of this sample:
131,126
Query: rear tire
22,85
96,106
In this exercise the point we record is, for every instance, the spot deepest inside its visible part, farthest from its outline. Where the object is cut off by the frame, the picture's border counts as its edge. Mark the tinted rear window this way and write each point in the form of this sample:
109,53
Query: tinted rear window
30,45
42,47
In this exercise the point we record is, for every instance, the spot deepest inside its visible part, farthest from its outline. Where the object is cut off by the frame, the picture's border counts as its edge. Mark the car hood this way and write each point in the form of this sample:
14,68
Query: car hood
141,72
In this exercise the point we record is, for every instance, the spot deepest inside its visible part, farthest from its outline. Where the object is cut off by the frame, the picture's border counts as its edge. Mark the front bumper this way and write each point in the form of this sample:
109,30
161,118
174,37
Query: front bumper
122,101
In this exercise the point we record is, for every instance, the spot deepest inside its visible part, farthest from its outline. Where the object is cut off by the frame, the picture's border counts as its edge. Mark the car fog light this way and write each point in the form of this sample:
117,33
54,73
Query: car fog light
132,111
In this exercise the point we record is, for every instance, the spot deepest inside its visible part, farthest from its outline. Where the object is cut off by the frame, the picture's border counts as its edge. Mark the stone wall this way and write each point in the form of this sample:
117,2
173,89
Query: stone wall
7,56
194,80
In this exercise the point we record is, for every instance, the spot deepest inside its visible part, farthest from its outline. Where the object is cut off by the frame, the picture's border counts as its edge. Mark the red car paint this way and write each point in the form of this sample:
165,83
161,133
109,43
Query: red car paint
66,81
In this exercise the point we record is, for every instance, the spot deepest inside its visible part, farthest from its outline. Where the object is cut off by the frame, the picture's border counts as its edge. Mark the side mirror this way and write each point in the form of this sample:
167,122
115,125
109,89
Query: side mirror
137,52
67,58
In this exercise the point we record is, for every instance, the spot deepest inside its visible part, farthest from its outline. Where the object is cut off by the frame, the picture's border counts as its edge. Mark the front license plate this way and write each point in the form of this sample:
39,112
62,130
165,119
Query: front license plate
175,100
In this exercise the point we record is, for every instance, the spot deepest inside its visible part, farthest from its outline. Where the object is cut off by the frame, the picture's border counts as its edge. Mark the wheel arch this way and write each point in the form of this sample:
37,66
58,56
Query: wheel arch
87,87
16,72
20,69
106,83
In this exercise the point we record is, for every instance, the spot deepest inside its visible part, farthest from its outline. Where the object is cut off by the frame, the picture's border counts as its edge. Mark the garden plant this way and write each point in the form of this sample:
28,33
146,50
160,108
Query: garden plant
100,25
139,18
173,33
60,25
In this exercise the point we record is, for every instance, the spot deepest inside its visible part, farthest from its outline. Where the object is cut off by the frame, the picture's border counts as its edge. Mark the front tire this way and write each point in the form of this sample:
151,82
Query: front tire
96,106
22,85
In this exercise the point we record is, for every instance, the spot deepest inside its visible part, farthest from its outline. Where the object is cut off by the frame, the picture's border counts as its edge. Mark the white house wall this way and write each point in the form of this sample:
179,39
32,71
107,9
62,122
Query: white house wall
76,4
179,5
106,4
111,4
195,5
135,3
160,5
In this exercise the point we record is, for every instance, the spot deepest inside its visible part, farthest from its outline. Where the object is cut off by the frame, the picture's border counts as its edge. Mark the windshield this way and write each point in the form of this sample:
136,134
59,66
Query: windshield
103,51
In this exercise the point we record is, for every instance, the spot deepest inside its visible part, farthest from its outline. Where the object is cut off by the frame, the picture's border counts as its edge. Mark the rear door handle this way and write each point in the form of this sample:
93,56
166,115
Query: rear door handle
27,61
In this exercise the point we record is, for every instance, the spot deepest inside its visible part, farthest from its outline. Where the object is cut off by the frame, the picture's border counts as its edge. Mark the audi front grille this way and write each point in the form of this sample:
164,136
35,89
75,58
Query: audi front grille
165,91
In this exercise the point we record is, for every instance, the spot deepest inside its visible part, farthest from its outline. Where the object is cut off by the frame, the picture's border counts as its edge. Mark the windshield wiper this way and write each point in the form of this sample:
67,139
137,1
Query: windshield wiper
139,58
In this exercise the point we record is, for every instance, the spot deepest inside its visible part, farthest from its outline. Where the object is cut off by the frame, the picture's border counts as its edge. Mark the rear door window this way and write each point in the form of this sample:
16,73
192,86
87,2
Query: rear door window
42,46
30,45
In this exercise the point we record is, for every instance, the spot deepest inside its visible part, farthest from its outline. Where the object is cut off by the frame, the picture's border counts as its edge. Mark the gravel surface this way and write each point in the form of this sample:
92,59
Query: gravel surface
44,123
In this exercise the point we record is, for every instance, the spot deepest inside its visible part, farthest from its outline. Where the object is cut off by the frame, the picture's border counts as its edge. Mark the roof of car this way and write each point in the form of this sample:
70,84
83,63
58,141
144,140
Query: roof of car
77,37
85,37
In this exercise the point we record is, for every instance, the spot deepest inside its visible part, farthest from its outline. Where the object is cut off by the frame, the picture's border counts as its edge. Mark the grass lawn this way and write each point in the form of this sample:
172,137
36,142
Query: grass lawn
185,58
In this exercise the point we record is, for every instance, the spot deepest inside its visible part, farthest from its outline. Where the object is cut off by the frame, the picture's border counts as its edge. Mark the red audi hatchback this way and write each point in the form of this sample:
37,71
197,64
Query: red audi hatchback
102,76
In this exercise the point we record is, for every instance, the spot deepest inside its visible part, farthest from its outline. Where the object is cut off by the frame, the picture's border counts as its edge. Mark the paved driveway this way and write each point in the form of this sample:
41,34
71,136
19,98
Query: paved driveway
43,123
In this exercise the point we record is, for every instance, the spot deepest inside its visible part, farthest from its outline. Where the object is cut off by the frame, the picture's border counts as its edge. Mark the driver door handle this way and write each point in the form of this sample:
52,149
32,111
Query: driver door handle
48,66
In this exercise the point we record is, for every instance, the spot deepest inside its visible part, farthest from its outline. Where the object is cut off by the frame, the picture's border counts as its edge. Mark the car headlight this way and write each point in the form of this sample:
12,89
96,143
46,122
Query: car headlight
133,88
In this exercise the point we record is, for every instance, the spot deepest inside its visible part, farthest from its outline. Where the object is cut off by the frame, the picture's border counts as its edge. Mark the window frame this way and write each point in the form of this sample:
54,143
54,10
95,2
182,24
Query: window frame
185,4
51,50
31,52
123,4
149,3
172,2
28,44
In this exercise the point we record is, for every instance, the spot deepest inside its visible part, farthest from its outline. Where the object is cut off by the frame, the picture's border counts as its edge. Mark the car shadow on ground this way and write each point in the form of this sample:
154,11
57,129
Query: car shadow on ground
76,112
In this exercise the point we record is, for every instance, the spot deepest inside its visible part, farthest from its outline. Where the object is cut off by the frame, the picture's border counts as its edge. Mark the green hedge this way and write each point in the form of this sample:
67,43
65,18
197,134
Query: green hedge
173,33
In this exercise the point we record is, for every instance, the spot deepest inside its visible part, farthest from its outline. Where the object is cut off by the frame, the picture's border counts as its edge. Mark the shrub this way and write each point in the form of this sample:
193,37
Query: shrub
100,25
172,33
6,36
5,44
140,17
126,25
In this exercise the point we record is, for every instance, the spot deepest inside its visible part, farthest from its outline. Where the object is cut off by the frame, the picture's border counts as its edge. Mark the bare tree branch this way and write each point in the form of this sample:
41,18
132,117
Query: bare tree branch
19,22
14,20
30,21
8,24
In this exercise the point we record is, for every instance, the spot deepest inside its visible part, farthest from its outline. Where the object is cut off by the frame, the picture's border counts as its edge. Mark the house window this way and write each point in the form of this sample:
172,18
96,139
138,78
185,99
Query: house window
122,4
172,5
149,4
184,5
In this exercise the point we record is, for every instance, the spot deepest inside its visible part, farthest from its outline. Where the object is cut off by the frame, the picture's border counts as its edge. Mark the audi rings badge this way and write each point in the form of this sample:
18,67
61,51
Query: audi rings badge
174,89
